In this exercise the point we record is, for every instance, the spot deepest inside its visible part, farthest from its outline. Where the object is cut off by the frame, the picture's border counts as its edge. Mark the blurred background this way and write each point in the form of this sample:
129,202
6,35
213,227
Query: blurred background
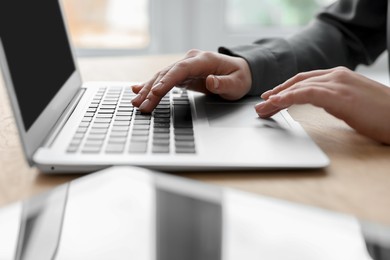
135,27
101,27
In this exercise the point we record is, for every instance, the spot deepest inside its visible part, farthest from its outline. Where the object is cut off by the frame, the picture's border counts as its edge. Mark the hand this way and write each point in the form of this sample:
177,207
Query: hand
362,103
206,72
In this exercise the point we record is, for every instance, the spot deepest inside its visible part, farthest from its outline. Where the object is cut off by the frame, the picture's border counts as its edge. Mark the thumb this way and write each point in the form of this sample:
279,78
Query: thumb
213,84
223,85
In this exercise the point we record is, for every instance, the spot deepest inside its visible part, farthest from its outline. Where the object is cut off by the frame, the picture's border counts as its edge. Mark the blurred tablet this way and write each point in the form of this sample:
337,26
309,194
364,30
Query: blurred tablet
133,213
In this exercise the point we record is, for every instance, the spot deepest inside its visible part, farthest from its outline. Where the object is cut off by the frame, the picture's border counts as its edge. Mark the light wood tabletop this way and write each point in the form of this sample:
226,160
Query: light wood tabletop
356,182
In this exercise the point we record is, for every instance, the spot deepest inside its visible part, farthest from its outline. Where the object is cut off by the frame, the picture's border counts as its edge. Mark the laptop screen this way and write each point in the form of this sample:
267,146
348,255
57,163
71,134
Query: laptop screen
37,52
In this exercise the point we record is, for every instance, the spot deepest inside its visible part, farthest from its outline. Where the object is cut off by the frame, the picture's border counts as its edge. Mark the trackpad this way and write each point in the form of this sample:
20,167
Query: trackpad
236,115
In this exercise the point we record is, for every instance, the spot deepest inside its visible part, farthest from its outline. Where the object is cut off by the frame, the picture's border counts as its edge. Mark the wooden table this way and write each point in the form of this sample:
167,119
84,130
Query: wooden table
357,180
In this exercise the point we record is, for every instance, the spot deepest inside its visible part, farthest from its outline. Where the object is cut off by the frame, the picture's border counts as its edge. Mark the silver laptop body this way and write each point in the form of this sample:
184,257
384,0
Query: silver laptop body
62,121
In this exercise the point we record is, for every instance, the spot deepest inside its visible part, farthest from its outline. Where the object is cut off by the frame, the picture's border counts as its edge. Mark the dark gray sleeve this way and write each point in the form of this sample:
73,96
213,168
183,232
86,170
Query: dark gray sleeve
347,33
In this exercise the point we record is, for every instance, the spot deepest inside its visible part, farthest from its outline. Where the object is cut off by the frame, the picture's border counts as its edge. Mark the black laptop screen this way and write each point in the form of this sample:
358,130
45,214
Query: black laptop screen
37,52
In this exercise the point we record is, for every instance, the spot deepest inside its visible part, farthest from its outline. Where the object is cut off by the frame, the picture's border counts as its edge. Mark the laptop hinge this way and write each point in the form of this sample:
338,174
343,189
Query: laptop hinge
63,119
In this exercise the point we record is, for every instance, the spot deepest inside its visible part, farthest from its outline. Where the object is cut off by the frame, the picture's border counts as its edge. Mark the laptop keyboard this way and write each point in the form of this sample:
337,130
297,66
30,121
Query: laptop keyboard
112,125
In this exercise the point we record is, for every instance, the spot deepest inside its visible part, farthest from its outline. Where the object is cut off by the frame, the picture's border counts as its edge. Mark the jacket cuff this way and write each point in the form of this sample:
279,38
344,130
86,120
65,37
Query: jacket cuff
271,62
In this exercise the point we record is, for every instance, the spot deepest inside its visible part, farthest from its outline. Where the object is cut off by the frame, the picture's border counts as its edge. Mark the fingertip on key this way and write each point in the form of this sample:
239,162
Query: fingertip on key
158,89
136,88
146,106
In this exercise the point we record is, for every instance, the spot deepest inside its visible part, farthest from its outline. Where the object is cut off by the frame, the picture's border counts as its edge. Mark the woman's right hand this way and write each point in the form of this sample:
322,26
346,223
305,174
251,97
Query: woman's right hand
202,71
362,103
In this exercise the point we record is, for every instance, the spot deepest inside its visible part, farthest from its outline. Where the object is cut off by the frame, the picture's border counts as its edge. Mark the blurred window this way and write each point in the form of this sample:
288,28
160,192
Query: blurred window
108,24
107,27
246,14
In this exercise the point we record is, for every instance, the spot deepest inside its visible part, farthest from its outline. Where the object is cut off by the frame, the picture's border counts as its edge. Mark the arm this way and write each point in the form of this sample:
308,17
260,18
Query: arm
347,33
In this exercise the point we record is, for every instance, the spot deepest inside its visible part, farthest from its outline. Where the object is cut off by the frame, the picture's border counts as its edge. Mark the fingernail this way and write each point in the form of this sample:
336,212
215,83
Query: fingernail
216,82
134,87
136,98
157,86
274,98
260,105
265,94
144,104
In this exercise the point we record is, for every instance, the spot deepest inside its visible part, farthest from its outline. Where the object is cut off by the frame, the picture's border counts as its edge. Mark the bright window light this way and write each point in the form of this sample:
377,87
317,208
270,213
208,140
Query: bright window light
108,24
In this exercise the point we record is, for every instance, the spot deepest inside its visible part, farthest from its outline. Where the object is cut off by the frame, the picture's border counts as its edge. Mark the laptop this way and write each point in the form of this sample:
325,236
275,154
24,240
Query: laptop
66,125
134,213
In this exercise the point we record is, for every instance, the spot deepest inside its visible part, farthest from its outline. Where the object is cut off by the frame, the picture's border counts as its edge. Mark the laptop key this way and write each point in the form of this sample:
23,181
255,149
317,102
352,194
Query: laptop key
75,142
120,128
104,116
100,125
84,124
121,123
140,132
81,130
162,120
86,119
91,149
142,122
93,143
184,138
141,127
160,149
108,124
184,131
78,136
90,114
161,142
184,144
139,138
72,149
161,135
143,117
182,117
96,136
161,130
123,118
115,148
114,140
185,150
102,120
118,134
138,147
98,130
162,125
124,113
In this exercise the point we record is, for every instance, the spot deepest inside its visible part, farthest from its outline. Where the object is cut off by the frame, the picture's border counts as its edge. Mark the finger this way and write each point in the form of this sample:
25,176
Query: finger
198,85
227,86
164,81
192,53
136,88
266,109
316,95
176,75
152,91
156,93
142,92
161,86
181,72
294,80
149,103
